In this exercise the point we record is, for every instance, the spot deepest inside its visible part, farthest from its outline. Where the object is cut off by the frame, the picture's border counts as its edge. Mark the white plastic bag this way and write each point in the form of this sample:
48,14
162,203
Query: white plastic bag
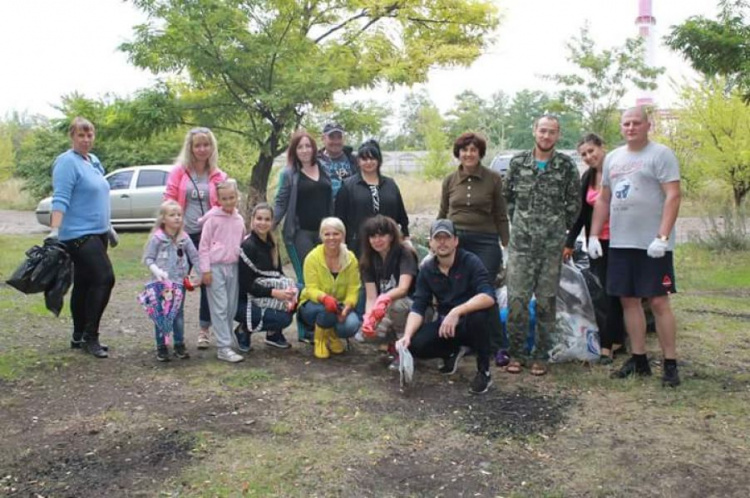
576,330
405,365
502,297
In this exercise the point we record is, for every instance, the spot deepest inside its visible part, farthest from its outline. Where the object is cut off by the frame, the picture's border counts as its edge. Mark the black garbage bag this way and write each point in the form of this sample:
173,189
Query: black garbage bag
55,293
593,284
46,269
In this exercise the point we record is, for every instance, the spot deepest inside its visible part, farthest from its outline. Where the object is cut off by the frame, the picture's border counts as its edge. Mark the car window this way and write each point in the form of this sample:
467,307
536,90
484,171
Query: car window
120,181
151,178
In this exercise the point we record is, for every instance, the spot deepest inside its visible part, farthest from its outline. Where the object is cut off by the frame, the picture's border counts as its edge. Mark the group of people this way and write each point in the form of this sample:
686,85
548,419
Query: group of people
346,232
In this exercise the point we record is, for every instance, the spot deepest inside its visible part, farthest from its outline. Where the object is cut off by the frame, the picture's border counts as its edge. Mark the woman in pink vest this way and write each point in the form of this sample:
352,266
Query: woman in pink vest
192,183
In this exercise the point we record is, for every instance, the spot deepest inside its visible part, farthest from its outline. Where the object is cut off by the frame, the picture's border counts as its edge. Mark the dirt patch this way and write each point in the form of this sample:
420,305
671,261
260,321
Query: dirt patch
97,465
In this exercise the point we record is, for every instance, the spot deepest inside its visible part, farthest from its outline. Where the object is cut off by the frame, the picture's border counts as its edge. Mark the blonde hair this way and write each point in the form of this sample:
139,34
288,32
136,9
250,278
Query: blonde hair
165,208
186,157
336,224
229,183
80,123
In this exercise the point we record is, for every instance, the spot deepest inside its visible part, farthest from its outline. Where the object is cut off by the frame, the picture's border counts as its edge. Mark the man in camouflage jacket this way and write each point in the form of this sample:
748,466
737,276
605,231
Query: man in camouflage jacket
542,190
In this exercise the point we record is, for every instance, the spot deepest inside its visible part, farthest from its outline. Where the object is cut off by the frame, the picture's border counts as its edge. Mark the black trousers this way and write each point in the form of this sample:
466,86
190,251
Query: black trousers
613,330
473,330
93,280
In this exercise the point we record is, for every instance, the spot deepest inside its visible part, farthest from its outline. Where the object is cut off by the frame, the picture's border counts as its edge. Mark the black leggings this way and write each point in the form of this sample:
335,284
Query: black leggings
613,330
93,279
473,330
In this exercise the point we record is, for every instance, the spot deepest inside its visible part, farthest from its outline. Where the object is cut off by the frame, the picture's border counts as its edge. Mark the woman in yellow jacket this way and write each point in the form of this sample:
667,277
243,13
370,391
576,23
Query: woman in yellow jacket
331,290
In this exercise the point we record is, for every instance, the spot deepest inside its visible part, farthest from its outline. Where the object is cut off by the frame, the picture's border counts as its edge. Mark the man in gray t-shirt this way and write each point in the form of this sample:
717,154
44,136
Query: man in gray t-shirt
641,197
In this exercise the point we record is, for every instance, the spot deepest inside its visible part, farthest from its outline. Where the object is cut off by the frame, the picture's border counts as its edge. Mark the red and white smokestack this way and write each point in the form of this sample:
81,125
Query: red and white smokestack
646,22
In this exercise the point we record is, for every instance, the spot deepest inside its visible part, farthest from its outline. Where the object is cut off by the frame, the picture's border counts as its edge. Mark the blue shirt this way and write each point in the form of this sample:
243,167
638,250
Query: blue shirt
81,193
466,278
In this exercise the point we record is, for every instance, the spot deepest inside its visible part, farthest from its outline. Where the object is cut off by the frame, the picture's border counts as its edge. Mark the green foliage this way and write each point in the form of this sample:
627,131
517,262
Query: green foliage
717,47
257,68
727,232
362,120
7,156
437,163
603,77
712,136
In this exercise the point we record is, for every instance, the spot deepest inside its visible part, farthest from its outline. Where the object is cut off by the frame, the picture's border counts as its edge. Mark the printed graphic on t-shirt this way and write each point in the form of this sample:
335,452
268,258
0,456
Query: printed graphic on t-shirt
386,285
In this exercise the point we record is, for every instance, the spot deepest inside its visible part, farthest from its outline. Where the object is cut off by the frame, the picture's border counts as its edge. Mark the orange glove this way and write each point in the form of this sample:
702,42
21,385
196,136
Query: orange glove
330,303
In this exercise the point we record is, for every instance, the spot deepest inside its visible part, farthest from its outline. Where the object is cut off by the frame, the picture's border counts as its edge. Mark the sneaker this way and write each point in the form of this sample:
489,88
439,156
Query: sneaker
502,358
277,340
481,383
162,353
670,377
450,364
226,354
359,337
203,341
242,338
180,351
631,368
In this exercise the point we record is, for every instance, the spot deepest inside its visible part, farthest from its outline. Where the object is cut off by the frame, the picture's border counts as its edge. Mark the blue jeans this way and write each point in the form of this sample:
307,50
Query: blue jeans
204,314
273,320
315,314
178,329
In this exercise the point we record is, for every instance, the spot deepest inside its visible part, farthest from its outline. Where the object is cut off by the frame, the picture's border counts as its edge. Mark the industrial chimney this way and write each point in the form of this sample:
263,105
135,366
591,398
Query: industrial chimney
646,22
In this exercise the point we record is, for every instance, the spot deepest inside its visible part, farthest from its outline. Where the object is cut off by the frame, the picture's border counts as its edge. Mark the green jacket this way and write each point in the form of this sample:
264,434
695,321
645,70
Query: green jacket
542,201
319,280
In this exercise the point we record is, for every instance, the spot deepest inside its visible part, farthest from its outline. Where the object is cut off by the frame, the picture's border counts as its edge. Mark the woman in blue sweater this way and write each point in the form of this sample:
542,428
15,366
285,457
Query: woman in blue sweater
80,219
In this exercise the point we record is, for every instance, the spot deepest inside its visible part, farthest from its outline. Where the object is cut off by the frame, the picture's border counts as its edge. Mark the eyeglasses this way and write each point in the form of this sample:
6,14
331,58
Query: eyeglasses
200,129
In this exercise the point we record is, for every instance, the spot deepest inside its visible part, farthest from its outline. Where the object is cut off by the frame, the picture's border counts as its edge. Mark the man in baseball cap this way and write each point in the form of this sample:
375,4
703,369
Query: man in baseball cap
336,157
458,281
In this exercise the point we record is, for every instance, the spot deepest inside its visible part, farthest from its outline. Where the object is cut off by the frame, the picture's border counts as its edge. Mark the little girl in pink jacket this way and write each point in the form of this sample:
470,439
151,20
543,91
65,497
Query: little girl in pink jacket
222,234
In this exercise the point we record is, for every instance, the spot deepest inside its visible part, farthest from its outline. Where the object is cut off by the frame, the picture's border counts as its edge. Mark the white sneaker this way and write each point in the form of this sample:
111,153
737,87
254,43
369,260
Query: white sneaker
203,341
359,337
227,354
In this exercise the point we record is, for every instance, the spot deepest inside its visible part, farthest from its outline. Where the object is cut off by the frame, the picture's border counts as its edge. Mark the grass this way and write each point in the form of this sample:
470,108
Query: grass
14,197
284,424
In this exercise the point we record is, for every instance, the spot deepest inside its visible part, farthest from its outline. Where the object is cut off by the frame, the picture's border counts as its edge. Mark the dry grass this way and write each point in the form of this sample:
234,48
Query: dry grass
14,197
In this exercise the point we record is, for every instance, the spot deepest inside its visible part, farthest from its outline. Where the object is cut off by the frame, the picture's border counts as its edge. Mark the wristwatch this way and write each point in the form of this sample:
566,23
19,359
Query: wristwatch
663,238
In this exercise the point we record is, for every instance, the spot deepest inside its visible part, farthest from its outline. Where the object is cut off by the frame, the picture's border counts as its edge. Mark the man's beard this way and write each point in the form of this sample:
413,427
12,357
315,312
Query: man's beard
543,149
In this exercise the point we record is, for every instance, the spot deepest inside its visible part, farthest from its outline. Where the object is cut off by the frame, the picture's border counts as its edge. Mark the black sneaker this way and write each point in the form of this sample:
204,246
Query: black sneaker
242,337
180,351
450,364
481,383
162,353
277,340
670,377
631,368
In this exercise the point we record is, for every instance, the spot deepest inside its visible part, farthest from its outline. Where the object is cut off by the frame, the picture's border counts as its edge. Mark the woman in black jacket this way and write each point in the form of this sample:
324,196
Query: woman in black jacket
367,194
612,331
260,259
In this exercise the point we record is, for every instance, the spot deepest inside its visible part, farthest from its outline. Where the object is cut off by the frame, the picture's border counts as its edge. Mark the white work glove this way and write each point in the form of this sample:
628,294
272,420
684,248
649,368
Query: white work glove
53,233
158,273
595,248
657,248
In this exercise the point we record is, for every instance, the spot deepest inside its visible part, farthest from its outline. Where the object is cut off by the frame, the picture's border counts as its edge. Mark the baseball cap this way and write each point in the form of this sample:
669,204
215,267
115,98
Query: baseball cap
443,225
332,128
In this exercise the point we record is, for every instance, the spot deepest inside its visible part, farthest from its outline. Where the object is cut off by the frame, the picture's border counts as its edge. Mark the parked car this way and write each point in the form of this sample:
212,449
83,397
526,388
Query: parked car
500,163
135,194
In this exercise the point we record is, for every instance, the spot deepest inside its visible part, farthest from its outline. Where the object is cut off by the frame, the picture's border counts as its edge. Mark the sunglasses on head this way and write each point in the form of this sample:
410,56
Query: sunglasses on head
200,129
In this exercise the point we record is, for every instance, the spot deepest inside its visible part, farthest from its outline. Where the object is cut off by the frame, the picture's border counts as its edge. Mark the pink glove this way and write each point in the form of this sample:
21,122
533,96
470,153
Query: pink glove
368,326
380,307
330,303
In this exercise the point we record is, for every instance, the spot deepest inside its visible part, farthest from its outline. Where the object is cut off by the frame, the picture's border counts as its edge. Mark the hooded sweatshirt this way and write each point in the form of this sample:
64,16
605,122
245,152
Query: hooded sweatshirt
221,238
173,255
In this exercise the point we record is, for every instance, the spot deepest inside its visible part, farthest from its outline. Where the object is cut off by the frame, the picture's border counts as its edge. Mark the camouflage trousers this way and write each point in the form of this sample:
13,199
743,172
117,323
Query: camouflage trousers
533,268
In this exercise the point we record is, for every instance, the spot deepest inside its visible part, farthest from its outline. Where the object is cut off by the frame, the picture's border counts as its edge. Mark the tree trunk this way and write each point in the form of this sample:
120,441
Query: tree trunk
256,189
740,191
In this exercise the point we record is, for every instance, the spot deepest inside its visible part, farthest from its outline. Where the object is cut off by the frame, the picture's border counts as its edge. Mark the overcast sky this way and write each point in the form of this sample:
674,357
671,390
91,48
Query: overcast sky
51,47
